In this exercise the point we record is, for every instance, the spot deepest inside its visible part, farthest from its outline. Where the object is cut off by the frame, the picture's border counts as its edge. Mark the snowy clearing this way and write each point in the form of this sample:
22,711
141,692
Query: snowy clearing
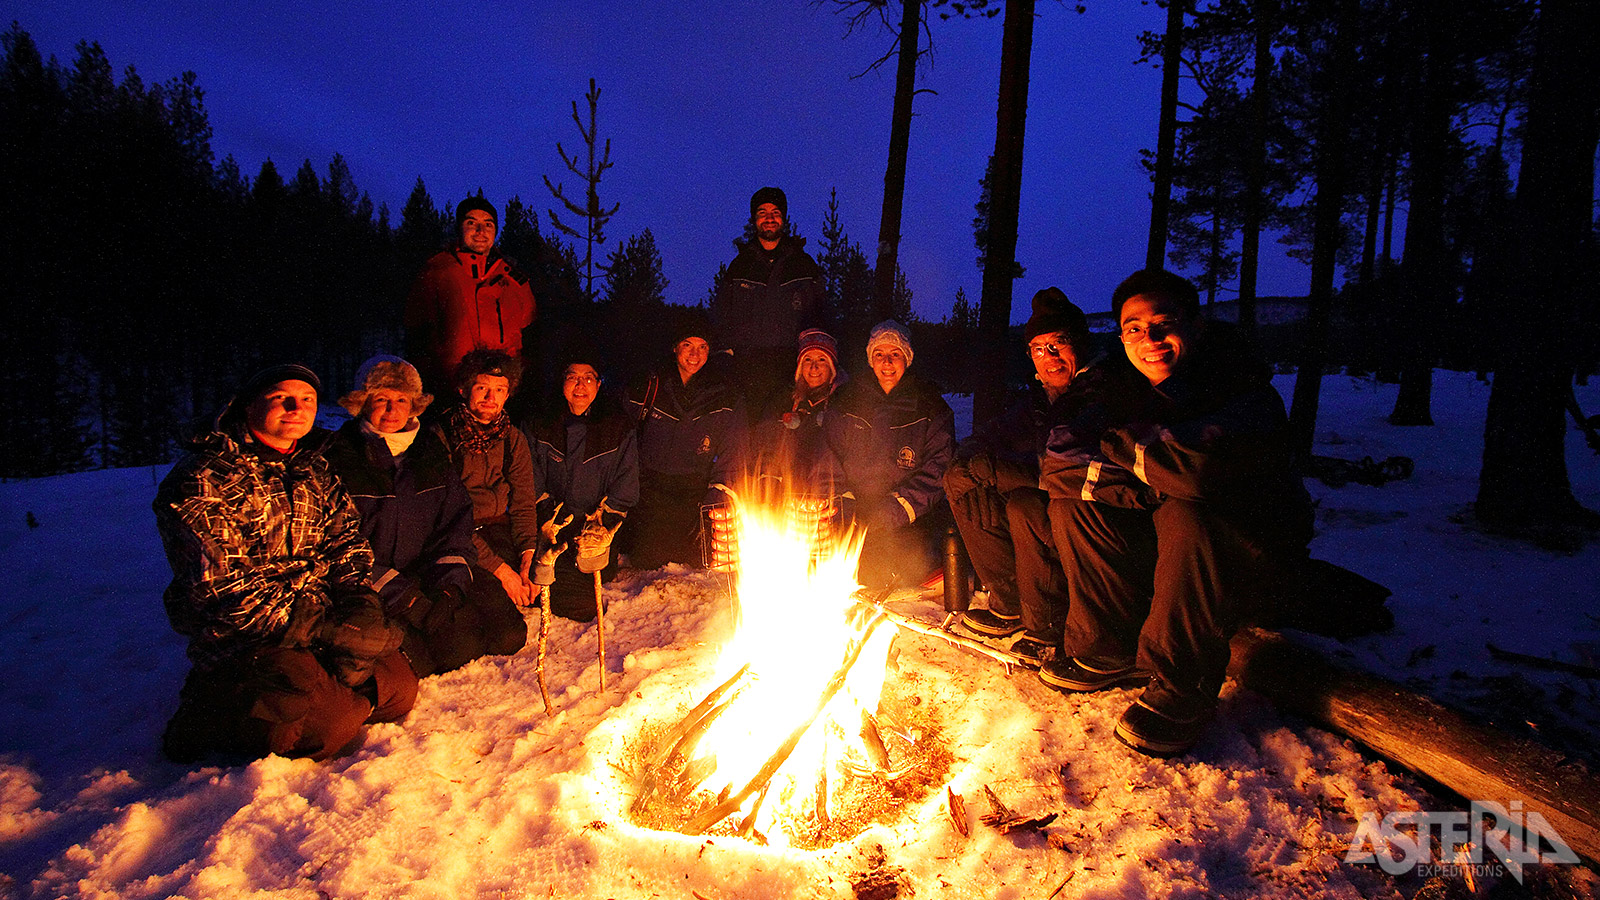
479,795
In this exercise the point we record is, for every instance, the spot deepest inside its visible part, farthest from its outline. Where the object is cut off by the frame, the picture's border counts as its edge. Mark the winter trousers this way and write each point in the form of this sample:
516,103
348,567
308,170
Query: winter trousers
1167,587
451,628
1015,557
283,701
664,526
903,555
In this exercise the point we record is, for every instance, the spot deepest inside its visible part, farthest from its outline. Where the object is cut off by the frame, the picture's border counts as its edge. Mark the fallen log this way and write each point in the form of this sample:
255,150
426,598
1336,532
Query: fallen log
1539,662
1475,760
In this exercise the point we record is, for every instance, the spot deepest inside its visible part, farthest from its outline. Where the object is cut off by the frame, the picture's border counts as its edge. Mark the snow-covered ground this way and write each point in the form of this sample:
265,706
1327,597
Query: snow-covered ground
479,794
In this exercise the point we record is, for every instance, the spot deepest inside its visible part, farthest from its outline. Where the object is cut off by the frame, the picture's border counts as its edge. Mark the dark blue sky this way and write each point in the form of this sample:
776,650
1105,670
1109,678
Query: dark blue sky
703,103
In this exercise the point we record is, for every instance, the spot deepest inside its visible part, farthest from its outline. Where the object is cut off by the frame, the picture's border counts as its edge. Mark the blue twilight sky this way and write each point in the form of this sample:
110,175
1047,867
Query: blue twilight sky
703,103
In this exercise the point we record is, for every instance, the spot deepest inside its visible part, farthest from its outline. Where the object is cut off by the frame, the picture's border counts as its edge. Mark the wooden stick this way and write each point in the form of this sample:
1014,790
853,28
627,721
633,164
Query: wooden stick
600,627
683,735
911,624
731,805
544,638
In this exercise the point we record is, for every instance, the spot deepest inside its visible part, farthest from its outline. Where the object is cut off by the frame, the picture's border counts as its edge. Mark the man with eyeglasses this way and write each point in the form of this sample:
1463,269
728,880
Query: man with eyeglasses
585,458
468,297
1163,568
993,486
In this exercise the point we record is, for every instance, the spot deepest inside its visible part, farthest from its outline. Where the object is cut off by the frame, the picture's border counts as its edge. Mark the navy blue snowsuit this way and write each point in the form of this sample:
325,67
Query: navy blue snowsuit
690,436
893,450
417,516
579,461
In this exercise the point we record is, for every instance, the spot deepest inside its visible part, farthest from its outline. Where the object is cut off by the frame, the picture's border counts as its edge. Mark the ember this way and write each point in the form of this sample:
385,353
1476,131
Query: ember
789,747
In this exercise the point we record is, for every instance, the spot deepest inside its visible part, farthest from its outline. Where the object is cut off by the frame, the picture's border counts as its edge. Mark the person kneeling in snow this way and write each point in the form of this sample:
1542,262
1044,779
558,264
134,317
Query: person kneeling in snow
496,465
1161,578
893,435
418,518
292,652
586,457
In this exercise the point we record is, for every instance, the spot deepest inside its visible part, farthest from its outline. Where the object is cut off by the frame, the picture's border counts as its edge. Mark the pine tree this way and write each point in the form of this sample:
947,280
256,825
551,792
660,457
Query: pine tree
593,214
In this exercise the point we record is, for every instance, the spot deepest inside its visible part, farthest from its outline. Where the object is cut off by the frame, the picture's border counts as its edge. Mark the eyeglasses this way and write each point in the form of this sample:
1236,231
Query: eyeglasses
1040,351
582,379
1134,333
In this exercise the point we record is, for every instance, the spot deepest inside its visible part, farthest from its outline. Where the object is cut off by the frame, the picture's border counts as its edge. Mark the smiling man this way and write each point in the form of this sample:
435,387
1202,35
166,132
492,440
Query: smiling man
994,492
692,435
467,297
292,652
769,294
1161,573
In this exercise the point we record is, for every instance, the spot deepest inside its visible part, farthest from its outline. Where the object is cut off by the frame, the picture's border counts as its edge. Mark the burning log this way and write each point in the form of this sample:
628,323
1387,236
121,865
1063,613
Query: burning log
682,737
1477,761
1006,820
957,808
730,805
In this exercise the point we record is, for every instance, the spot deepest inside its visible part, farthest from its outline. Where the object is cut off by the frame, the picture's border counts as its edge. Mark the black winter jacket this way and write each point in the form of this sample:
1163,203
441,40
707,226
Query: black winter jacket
765,299
263,545
693,432
580,460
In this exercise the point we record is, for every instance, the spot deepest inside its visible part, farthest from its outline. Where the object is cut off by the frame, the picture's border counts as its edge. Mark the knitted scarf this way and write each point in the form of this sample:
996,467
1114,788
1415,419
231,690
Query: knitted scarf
468,435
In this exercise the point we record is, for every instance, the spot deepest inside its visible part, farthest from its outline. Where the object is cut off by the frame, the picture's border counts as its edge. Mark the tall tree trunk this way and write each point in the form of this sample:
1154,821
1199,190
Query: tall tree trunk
1166,137
1255,171
1426,280
1524,476
1005,200
1333,131
1369,236
894,176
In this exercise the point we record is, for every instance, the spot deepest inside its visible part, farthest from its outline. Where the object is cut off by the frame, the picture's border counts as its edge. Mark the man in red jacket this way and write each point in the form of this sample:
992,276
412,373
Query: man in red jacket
467,298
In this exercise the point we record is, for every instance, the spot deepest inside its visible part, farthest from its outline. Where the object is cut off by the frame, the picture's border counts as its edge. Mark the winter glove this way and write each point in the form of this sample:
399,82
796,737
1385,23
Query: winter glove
551,524
981,468
594,541
355,634
958,481
983,507
305,621
887,512
442,608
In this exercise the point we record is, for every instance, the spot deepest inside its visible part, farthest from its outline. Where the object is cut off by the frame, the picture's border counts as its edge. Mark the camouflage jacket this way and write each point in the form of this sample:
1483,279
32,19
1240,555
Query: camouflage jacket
260,545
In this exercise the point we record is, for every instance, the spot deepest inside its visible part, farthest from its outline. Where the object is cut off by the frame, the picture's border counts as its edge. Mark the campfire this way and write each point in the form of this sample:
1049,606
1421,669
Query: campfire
789,747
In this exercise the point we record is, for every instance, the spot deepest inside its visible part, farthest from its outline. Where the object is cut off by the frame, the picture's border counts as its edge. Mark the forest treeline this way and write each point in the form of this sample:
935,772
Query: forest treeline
147,278
1431,160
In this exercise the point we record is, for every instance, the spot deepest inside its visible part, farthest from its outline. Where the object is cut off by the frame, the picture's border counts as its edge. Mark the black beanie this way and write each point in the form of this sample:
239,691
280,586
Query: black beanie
769,195
1158,282
1053,312
258,383
692,323
472,203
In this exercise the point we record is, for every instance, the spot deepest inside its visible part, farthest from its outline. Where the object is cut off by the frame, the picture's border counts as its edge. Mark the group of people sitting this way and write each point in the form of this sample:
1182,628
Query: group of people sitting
1124,516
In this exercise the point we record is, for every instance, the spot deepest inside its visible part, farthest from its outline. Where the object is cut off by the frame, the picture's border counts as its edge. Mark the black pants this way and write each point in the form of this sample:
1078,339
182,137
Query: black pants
450,629
1016,560
903,555
1168,587
284,701
664,526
